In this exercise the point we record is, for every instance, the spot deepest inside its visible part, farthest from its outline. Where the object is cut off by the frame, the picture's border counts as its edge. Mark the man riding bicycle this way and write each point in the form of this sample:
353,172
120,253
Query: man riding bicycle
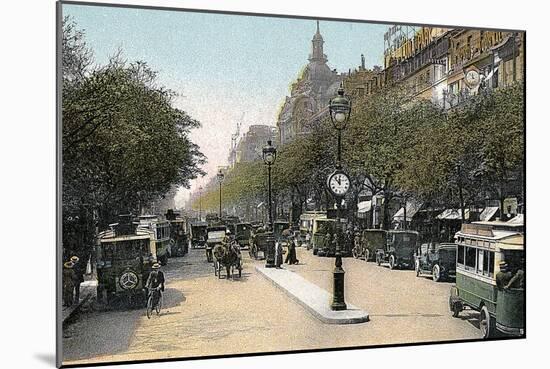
155,283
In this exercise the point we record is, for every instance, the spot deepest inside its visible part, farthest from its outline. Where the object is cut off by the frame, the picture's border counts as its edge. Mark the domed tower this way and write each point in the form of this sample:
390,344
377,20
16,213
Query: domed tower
317,48
318,71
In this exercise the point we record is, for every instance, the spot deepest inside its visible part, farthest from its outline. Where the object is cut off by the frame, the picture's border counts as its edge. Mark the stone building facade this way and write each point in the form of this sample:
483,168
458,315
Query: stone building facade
310,94
250,146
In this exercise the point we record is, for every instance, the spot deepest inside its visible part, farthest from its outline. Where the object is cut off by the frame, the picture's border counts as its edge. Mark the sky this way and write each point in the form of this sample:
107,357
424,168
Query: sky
223,65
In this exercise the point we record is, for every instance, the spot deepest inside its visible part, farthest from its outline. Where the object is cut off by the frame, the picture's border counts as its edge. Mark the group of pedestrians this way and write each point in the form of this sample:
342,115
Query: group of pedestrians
291,254
73,276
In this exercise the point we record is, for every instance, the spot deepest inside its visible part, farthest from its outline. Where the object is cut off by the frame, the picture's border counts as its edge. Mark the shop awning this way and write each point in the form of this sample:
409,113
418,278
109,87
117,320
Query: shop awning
412,209
488,213
364,206
453,214
517,220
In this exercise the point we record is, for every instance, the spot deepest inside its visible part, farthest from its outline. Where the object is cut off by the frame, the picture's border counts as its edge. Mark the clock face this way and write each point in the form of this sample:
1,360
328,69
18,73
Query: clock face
472,78
339,183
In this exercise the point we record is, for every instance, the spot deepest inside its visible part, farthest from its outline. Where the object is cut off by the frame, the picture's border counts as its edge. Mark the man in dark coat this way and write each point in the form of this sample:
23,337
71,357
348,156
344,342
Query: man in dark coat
503,276
518,280
68,286
155,281
78,276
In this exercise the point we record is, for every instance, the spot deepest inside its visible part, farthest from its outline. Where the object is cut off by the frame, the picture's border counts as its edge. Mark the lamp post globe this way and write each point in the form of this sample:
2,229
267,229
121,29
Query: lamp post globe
220,176
340,110
269,155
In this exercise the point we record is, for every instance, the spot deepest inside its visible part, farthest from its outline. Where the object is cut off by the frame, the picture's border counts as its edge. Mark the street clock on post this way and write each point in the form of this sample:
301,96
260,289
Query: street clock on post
472,77
338,183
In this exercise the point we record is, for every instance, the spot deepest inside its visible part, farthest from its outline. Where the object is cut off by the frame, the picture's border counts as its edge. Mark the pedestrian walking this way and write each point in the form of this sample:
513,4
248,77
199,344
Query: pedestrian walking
291,256
68,286
278,255
78,277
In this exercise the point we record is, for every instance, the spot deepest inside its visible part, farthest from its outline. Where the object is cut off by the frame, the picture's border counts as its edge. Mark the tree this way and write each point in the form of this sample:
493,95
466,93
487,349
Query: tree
123,142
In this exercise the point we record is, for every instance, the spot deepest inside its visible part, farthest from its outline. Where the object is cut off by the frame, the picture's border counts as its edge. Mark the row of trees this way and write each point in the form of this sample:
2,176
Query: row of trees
124,144
401,148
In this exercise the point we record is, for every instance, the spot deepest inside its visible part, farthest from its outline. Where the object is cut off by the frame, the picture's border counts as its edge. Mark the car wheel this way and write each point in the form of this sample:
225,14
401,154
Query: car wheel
354,253
392,262
367,254
486,323
436,273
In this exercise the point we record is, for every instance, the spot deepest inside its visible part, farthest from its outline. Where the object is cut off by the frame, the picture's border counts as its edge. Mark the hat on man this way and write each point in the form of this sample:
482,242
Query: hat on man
74,259
68,264
502,264
156,266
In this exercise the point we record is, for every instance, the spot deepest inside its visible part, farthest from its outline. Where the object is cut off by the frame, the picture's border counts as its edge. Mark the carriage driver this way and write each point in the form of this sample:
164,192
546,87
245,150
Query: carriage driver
229,242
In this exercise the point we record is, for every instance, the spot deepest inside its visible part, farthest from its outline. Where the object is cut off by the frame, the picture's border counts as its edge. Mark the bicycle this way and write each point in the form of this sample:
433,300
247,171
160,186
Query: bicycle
150,302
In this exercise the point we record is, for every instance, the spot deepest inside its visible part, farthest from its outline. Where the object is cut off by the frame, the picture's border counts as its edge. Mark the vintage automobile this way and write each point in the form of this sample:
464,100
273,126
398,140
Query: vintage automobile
212,219
306,226
242,234
320,228
371,240
399,249
178,236
161,234
259,244
123,264
197,234
436,260
480,249
214,236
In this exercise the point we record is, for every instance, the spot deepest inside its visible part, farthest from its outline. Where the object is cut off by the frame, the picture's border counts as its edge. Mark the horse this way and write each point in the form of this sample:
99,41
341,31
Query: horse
228,256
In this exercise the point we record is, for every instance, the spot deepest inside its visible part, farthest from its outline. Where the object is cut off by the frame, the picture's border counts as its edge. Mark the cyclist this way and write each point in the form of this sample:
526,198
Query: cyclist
155,282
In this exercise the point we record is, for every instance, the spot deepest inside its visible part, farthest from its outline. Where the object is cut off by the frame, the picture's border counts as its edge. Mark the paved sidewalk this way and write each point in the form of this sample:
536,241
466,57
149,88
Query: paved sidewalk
87,290
313,298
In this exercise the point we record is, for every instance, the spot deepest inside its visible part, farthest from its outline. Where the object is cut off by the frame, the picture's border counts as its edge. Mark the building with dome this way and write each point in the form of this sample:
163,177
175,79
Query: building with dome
310,94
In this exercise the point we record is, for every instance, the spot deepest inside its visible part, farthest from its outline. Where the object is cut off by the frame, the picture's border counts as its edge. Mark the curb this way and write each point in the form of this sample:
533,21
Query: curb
316,302
73,309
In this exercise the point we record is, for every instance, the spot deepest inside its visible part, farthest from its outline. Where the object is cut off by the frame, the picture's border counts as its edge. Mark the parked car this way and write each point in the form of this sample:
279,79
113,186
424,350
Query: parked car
437,260
371,240
399,249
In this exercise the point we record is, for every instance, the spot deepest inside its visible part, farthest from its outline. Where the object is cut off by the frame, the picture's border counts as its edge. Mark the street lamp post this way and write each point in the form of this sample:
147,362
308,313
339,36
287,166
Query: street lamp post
220,176
269,154
338,184
200,203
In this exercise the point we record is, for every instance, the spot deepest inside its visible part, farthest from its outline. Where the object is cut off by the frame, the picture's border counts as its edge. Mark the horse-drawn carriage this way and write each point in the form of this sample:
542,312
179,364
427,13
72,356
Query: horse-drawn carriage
227,255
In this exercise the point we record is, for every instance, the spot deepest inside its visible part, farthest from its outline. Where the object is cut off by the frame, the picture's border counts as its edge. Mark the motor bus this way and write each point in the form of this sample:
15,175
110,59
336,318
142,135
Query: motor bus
123,264
161,234
480,249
